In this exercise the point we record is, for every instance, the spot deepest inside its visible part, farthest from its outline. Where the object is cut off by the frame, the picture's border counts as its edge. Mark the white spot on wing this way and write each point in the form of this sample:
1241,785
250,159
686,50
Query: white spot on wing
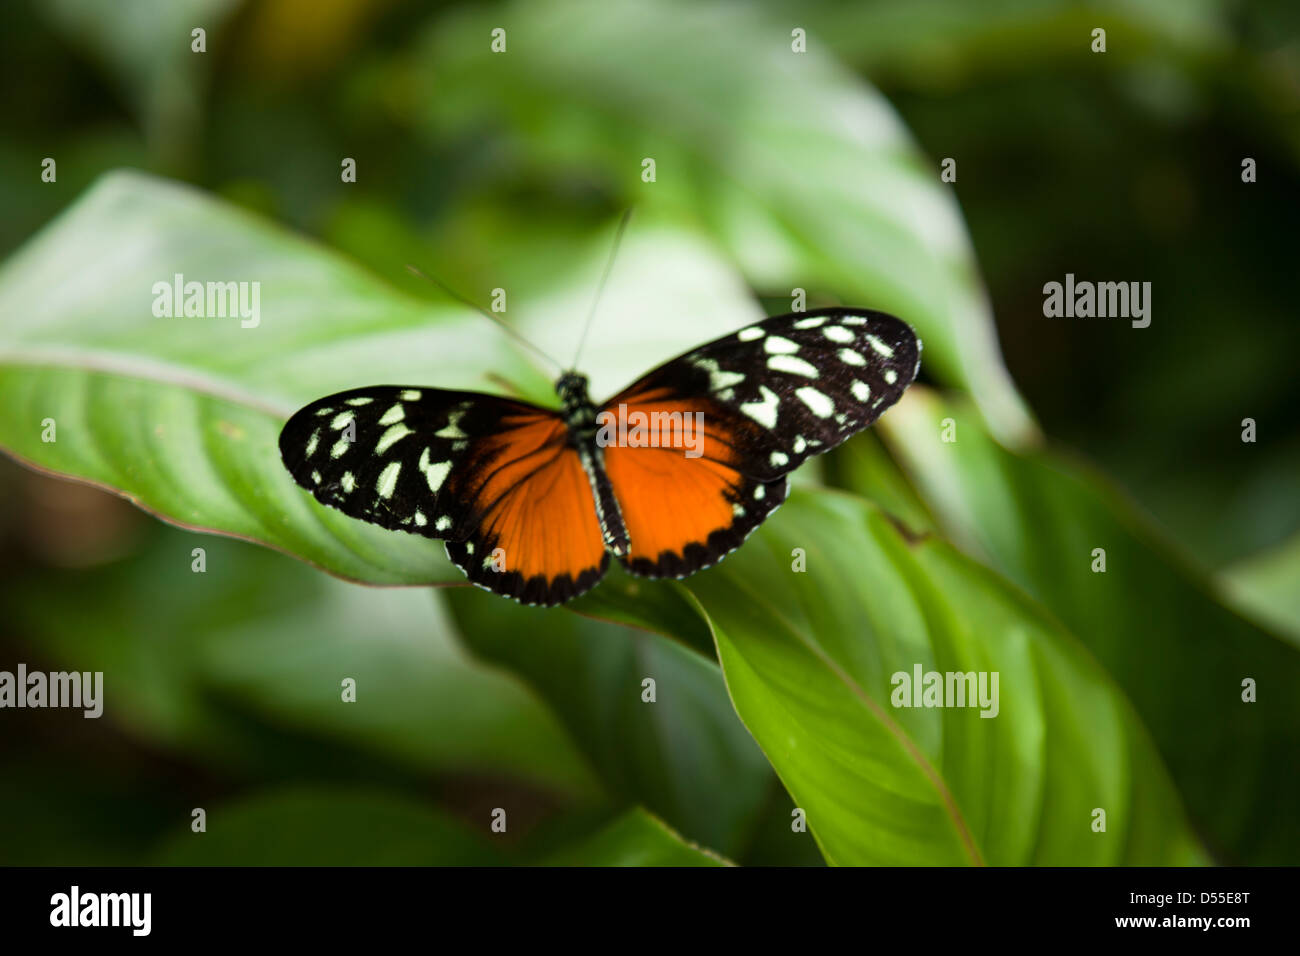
760,493
311,442
810,323
799,444
764,412
751,333
778,459
348,482
850,357
393,415
359,401
837,333
435,473
393,434
890,376
420,519
443,523
341,420
793,365
817,403
861,391
388,479
452,428
718,378
411,395
880,347
775,345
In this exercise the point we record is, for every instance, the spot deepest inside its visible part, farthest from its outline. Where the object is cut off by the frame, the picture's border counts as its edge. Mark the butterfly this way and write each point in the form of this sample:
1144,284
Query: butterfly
531,502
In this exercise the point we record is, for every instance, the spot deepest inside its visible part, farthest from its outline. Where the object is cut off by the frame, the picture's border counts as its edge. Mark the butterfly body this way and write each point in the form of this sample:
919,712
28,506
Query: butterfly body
580,416
532,503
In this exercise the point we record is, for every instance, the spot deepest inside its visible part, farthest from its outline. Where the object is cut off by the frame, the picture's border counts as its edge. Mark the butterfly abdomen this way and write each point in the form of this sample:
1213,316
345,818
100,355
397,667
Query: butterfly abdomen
612,529
580,418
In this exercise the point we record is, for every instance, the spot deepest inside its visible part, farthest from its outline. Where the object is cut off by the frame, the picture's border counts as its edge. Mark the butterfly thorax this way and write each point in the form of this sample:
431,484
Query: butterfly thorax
580,418
579,412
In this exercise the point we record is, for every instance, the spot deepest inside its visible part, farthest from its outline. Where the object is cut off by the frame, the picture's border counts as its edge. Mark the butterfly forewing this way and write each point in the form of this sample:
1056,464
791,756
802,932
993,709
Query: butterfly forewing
792,386
386,454
496,478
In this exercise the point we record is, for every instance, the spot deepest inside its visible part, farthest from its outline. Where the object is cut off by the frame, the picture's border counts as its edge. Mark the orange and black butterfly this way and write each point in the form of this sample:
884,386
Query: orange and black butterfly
531,502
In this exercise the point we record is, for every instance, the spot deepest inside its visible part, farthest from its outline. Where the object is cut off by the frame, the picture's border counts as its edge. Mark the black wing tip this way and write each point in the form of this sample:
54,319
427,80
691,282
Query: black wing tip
890,328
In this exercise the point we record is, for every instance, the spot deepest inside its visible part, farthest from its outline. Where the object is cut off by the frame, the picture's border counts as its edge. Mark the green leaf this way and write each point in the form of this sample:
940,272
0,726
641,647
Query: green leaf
799,170
1267,586
230,662
685,756
809,660
1153,621
145,48
328,827
637,838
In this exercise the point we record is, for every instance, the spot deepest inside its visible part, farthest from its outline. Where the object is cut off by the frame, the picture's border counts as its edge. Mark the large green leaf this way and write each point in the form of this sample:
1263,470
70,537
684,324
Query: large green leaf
1151,619
635,839
808,658
797,168
242,666
1268,586
684,756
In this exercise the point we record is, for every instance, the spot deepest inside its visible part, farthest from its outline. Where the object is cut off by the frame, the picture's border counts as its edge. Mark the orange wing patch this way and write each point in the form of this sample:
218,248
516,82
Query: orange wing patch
535,536
686,506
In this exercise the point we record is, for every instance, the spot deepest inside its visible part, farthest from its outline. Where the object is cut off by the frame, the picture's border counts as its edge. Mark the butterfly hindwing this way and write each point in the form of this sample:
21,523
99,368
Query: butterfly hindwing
685,509
768,397
536,537
492,476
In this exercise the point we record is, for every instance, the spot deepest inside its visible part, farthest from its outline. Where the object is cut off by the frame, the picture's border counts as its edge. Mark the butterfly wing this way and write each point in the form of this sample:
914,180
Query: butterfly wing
769,397
497,479
683,513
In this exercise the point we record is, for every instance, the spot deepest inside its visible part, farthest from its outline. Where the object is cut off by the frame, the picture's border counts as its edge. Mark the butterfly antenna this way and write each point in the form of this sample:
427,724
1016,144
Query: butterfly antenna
604,277
509,330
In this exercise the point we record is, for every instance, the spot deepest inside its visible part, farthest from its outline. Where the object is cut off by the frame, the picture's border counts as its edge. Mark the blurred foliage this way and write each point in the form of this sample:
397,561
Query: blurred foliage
1150,619
774,171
